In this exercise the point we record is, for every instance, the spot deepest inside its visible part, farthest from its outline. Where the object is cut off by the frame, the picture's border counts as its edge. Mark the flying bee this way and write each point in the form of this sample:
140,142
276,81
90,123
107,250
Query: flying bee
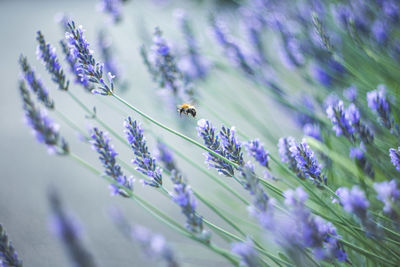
187,109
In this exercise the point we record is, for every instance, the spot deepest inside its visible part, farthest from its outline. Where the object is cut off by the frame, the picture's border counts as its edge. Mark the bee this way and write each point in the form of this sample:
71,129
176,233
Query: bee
187,109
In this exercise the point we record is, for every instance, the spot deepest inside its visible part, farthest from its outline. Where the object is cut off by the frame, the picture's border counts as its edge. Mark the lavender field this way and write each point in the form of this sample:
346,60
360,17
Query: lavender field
200,133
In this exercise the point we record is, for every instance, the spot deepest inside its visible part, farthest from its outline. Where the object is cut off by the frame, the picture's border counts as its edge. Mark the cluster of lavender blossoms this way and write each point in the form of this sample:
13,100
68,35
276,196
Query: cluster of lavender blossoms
389,194
113,8
44,129
395,157
35,84
8,254
164,155
307,230
258,152
107,155
378,102
47,54
355,202
69,231
206,131
87,65
146,164
80,78
183,196
307,162
284,145
248,255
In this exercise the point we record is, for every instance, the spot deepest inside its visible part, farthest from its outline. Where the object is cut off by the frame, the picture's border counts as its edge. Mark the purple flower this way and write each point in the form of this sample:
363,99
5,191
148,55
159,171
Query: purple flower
47,53
87,65
341,122
351,93
247,253
312,130
395,157
113,8
258,152
183,196
44,129
322,76
353,116
66,229
8,255
311,231
380,31
145,163
164,154
107,155
378,102
286,156
355,202
35,84
231,145
206,131
72,61
307,162
356,153
389,194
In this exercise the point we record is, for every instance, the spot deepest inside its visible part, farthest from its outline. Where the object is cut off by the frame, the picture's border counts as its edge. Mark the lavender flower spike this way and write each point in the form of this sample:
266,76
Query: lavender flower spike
353,115
395,157
8,255
145,163
67,230
35,83
165,155
247,253
107,155
183,196
258,152
72,61
206,131
113,8
47,53
284,145
378,102
341,123
87,65
307,162
231,146
44,129
389,194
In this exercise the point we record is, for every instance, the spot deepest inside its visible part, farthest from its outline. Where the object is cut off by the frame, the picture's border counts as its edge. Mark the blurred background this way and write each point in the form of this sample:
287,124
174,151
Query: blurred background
26,168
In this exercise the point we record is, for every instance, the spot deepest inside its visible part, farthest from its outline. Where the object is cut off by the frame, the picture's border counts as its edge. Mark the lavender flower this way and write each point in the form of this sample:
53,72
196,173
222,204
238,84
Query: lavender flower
312,130
197,68
247,253
357,153
207,132
8,255
284,145
153,245
232,49
35,83
107,155
145,163
395,157
341,123
307,162
231,146
353,115
44,129
66,229
258,152
165,155
72,61
87,65
380,32
113,8
312,231
389,194
47,53
183,196
378,102
351,93
355,202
